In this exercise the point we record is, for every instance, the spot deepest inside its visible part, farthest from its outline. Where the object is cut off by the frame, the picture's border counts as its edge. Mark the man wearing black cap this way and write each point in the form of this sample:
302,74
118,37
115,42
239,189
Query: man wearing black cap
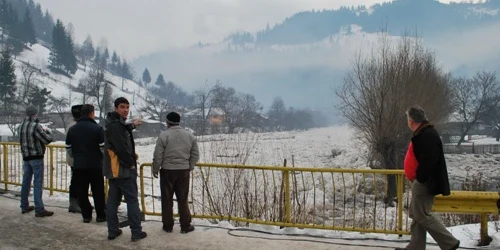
33,138
74,207
175,155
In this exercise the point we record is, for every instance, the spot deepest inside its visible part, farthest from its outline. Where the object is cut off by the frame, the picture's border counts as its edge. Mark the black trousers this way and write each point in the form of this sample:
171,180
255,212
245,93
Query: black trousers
73,186
175,181
95,178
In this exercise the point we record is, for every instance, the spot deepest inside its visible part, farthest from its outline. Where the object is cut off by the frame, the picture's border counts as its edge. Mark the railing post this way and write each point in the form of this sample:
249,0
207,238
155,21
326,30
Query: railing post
141,181
51,171
400,201
5,166
485,238
286,174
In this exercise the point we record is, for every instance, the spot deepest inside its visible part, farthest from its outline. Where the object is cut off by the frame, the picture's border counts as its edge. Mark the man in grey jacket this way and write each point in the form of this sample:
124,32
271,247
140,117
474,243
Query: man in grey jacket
175,155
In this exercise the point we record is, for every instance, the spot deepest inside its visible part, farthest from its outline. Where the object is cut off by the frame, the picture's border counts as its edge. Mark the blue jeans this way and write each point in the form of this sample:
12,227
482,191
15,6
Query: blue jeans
126,187
30,169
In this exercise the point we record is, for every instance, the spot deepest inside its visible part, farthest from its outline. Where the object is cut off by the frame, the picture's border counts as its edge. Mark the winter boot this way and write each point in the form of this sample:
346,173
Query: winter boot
73,206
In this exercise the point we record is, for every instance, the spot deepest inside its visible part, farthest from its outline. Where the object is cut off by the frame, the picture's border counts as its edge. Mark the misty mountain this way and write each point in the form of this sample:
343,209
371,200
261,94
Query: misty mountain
304,58
428,16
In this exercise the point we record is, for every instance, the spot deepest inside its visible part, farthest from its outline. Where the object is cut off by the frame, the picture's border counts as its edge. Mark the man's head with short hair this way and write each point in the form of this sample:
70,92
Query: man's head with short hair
121,100
88,111
31,111
76,111
173,119
415,116
122,107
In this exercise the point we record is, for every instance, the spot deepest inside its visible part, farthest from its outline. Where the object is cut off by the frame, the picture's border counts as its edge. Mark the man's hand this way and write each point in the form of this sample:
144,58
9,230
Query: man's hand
155,174
137,122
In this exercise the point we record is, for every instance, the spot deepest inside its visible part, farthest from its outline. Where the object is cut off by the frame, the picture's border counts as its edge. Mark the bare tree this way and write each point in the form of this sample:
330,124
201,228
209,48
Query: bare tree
96,85
378,90
240,110
156,106
277,114
471,96
13,119
29,77
60,105
203,102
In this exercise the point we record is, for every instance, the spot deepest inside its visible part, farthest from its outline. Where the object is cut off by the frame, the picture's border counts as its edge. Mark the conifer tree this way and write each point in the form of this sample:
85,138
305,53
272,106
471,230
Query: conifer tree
160,81
28,29
7,80
146,77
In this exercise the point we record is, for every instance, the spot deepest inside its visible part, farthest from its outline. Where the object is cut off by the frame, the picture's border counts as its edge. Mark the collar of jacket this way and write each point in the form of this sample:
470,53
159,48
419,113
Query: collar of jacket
175,127
30,118
86,119
422,126
114,116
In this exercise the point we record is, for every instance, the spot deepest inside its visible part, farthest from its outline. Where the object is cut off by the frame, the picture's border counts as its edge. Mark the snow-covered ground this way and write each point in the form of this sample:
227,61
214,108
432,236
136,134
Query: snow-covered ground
333,147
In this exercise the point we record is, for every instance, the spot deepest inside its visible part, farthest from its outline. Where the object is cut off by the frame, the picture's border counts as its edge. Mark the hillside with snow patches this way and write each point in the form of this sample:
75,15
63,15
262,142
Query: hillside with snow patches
61,86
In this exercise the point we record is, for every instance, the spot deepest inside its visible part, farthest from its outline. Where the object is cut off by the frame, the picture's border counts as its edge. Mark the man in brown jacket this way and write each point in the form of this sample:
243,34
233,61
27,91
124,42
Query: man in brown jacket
175,155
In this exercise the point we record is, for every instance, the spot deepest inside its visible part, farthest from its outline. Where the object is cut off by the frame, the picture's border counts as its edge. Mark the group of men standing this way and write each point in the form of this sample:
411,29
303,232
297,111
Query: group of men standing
94,153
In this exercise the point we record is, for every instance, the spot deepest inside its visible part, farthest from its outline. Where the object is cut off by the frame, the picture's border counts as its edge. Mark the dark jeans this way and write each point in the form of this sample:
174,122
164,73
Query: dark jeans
73,186
33,168
95,178
175,181
128,188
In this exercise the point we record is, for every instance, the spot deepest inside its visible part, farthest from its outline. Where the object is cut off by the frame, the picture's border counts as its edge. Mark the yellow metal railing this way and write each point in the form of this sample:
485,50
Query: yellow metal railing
57,174
321,198
336,199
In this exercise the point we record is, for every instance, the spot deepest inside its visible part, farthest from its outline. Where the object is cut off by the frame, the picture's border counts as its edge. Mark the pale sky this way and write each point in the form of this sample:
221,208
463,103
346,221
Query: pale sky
138,27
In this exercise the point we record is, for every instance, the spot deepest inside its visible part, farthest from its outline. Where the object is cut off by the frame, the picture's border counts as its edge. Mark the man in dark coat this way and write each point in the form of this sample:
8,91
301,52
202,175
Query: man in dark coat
74,207
85,142
120,167
431,178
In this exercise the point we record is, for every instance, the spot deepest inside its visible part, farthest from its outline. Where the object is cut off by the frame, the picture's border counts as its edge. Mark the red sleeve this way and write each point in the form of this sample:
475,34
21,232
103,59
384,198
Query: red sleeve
410,164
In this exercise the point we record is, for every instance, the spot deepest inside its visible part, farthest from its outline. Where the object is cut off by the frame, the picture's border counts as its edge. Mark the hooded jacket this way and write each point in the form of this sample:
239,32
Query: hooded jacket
119,148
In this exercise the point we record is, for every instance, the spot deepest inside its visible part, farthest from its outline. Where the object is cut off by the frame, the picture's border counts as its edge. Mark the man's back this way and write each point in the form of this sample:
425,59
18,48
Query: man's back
32,138
86,139
176,149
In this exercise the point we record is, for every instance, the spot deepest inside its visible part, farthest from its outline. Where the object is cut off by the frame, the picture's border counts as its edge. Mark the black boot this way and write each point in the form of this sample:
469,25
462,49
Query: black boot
73,206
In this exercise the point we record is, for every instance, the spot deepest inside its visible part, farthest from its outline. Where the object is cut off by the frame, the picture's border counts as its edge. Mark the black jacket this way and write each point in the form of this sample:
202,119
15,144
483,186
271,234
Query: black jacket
85,142
429,153
119,154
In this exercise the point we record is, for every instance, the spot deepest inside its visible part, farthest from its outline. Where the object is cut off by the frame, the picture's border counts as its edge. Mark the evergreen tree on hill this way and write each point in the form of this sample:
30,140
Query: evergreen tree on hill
28,29
146,76
160,81
62,55
7,80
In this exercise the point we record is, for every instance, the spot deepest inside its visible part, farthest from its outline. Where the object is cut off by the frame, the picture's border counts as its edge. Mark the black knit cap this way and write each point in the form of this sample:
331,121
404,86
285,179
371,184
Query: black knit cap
76,111
173,118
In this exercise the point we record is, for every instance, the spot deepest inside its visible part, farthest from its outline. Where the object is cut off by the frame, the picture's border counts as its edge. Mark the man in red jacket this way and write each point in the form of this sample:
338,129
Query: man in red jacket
425,167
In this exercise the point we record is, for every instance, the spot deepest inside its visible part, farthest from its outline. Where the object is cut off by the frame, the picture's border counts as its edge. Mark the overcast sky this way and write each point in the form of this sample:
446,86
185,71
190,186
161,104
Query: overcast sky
138,27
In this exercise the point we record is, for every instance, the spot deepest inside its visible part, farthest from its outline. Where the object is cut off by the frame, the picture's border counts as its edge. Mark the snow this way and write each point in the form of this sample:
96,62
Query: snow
484,11
333,147
313,148
59,85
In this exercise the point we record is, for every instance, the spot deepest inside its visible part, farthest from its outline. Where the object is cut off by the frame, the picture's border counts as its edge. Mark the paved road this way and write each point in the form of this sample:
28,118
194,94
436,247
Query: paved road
67,231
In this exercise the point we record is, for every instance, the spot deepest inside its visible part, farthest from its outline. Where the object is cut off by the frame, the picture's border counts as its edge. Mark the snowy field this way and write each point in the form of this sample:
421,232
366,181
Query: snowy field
332,147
